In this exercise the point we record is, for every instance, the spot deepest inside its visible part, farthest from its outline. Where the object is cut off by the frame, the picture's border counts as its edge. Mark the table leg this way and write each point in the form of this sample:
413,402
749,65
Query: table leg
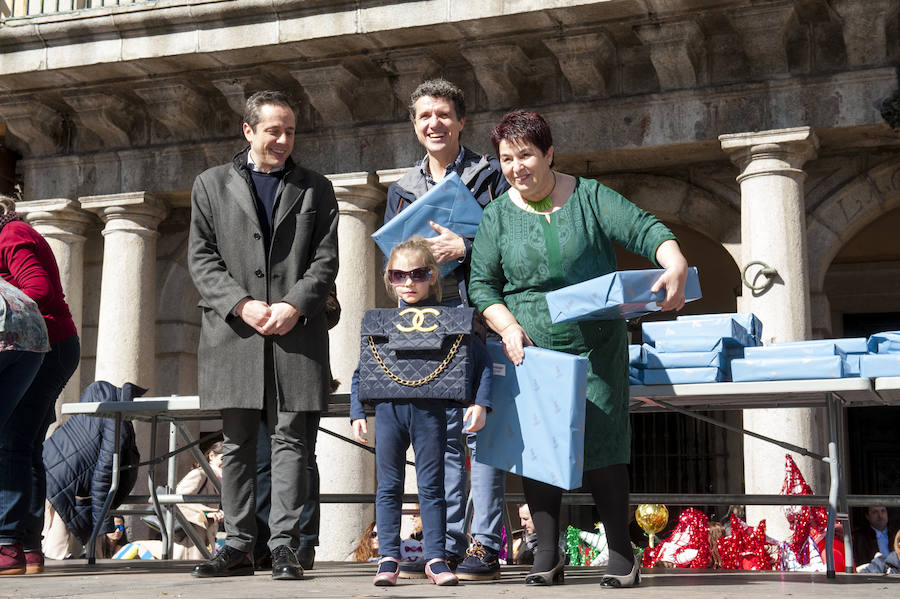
154,501
113,487
171,473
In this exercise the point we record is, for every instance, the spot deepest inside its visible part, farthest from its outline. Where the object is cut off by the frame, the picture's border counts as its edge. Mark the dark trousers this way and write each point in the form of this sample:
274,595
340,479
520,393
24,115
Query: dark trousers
609,489
422,423
309,516
22,444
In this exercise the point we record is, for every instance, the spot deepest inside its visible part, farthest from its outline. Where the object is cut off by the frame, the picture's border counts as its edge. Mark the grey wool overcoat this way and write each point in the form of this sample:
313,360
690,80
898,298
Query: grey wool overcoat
227,260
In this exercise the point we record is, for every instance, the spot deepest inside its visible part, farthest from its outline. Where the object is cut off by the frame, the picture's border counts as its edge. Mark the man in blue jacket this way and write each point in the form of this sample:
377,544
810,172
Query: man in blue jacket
437,109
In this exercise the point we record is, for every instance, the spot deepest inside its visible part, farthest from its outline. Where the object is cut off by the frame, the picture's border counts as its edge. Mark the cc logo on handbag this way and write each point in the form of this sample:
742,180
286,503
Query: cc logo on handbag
418,320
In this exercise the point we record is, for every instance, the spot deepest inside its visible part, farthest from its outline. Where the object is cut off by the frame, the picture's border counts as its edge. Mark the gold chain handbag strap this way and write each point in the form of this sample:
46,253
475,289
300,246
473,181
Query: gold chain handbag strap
419,382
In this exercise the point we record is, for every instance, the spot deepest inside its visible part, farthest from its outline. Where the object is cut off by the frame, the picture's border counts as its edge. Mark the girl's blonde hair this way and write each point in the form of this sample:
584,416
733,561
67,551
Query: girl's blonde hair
419,246
7,204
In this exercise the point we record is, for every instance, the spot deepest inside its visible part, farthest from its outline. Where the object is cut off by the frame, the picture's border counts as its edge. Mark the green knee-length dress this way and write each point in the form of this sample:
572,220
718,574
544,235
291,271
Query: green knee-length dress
517,257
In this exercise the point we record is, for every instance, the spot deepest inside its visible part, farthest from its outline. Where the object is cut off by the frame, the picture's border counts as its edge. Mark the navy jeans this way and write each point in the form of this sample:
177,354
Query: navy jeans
23,482
488,485
423,423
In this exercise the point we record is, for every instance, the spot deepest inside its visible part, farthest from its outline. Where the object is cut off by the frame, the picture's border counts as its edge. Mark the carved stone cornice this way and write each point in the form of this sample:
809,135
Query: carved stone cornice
104,115
330,90
409,68
864,29
763,30
675,51
500,69
176,106
36,128
583,60
236,88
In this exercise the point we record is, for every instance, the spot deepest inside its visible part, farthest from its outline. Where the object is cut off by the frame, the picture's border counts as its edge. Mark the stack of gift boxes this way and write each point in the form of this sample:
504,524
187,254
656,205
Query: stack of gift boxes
692,349
726,347
883,358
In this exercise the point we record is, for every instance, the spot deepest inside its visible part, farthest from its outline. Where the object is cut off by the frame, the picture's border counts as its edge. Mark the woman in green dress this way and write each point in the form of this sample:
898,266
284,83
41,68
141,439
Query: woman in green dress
548,231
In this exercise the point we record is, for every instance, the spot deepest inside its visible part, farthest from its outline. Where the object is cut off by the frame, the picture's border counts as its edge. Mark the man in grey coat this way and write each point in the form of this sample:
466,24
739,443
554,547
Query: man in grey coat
263,255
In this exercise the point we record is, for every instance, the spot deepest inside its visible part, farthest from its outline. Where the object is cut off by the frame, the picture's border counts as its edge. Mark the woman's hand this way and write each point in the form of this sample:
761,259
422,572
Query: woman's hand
674,279
475,415
514,339
360,429
512,335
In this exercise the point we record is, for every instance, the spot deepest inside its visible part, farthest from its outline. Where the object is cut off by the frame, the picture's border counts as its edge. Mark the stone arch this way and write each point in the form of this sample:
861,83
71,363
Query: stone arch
677,201
846,212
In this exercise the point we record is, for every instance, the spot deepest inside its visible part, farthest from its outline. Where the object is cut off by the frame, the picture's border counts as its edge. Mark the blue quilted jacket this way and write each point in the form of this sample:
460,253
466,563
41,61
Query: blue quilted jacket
78,458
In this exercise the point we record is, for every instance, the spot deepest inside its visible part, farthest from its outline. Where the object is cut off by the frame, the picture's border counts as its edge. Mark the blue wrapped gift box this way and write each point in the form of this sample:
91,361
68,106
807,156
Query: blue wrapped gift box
848,345
682,359
876,365
635,375
449,203
681,344
793,350
746,319
722,327
852,365
786,369
620,294
635,355
884,343
536,427
675,376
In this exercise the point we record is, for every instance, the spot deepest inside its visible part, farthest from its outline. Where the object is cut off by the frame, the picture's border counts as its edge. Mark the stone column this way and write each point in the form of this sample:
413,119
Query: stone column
126,339
63,224
349,469
773,231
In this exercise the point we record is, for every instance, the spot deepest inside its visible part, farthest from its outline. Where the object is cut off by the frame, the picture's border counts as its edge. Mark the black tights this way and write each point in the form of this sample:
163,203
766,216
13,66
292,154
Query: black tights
609,488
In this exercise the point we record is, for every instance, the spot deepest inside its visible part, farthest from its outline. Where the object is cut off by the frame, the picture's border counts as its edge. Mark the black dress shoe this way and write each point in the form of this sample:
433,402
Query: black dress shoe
285,565
229,562
307,557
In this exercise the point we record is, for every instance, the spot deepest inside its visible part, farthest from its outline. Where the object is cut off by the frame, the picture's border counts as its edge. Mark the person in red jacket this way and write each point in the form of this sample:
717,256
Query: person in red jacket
27,262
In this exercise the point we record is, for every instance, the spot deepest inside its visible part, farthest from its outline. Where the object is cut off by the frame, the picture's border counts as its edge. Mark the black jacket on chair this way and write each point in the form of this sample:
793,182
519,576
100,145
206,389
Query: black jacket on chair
78,458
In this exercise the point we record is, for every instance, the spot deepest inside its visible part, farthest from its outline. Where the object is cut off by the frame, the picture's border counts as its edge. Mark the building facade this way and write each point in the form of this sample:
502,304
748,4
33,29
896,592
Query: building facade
754,128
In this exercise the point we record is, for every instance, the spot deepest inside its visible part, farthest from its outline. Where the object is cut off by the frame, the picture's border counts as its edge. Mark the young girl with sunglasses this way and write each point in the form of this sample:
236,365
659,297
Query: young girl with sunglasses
412,277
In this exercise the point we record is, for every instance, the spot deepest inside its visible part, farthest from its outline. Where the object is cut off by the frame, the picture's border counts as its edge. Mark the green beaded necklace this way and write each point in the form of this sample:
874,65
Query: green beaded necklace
544,205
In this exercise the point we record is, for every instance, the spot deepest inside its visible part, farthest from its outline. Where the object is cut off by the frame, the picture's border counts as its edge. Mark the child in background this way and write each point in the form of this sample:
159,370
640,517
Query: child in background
412,277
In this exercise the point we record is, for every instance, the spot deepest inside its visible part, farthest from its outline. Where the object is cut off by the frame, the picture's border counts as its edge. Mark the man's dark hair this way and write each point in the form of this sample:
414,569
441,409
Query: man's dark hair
260,99
439,88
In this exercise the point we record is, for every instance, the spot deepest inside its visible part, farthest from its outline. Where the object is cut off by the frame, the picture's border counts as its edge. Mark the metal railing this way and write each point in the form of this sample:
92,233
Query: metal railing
10,9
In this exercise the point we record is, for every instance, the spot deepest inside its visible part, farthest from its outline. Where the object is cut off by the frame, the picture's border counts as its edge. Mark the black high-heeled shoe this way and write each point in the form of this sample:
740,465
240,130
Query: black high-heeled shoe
555,575
632,579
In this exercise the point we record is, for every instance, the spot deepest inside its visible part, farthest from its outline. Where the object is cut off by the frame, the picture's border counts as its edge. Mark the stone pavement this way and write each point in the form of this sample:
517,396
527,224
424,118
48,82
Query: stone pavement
172,580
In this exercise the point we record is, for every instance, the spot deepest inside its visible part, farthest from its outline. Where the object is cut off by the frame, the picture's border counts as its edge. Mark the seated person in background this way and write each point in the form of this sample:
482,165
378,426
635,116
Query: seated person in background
874,536
888,563
111,542
367,548
523,547
204,518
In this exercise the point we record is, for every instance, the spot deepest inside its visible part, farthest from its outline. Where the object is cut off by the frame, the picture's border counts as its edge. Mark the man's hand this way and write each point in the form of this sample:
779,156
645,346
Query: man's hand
447,245
282,319
255,313
360,429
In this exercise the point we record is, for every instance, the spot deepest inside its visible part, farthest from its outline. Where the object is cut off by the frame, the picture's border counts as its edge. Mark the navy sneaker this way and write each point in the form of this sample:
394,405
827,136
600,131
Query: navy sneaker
414,569
481,563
